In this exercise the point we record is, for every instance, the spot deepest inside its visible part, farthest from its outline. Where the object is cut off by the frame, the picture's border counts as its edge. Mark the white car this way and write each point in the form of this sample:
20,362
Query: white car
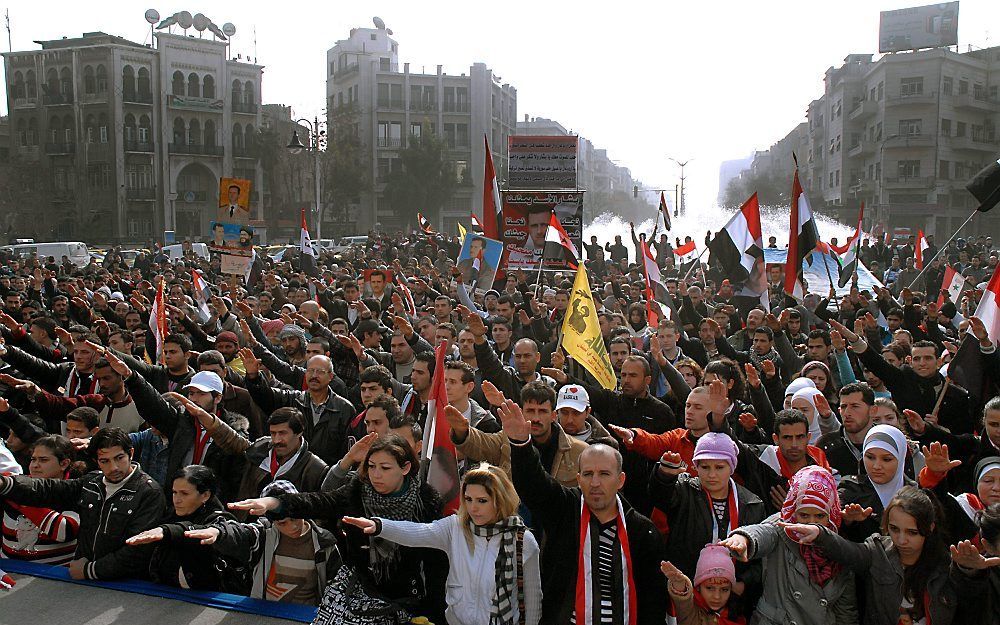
76,251
347,243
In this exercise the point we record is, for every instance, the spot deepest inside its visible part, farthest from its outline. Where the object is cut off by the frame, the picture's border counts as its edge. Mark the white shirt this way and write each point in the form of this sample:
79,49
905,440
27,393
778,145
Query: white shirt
7,462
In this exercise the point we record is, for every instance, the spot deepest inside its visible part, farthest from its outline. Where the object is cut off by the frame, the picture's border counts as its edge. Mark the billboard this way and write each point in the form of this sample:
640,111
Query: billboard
542,162
931,26
526,216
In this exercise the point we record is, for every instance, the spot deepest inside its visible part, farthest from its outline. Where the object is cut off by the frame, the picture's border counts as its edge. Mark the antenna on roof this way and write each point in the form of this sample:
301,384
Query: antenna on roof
10,47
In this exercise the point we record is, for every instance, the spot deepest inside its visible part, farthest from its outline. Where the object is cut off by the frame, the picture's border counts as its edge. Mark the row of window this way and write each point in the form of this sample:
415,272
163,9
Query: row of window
194,133
390,134
204,87
95,81
99,176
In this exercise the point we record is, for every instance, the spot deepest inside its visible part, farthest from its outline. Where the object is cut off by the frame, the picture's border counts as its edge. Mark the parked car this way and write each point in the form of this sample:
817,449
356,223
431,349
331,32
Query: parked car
77,252
347,243
176,251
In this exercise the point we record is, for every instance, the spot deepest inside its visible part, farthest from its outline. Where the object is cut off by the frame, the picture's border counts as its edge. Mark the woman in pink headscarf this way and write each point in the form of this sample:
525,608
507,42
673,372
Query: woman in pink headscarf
801,584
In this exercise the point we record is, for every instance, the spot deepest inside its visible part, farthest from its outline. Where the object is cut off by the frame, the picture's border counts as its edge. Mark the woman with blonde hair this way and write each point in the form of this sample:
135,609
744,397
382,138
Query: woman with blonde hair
485,534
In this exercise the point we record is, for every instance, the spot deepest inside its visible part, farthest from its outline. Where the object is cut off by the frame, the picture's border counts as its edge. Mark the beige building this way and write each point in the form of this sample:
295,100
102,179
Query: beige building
131,140
396,102
903,134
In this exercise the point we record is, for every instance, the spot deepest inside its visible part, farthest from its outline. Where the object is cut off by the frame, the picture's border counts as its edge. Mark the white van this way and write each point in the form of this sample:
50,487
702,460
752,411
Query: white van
176,251
76,251
348,242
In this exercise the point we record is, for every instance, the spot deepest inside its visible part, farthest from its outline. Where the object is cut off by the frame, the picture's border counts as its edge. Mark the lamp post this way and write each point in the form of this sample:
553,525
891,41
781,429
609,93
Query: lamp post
315,143
681,164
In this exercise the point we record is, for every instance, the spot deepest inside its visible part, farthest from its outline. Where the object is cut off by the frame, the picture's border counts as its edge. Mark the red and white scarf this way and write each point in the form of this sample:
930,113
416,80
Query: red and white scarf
734,513
74,388
585,573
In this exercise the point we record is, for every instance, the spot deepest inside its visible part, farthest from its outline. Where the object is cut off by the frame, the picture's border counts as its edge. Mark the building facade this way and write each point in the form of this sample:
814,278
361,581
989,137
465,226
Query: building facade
903,134
393,104
131,140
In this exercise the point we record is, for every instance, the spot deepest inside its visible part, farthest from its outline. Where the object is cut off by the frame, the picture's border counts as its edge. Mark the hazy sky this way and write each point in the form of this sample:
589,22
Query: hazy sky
707,81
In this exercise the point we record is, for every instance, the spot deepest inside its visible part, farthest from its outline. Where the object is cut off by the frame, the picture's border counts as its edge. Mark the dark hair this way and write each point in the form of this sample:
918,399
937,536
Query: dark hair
789,416
201,477
427,357
988,521
289,415
46,324
60,446
729,370
820,334
108,438
212,357
468,375
867,394
926,511
895,312
397,447
538,392
379,374
899,350
407,421
86,415
389,404
500,321
765,331
923,344
181,340
322,342
646,369
450,327
620,341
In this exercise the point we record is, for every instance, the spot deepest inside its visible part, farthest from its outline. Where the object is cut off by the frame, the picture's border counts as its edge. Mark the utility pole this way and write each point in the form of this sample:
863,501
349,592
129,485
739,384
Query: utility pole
10,46
682,165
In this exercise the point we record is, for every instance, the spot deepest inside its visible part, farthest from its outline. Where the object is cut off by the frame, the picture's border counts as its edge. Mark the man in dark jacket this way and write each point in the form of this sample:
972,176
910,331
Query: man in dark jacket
114,504
560,511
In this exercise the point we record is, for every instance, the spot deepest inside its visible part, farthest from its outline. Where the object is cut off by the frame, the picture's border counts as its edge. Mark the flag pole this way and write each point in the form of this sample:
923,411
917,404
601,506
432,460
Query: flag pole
942,248
829,276
697,262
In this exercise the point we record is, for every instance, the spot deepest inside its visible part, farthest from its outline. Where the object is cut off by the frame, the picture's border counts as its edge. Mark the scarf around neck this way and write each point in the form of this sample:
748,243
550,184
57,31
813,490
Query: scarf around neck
402,506
584,604
509,567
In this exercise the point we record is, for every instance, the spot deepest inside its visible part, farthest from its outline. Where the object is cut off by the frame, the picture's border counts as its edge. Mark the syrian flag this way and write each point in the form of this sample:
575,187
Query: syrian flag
442,468
492,209
739,249
425,224
558,246
922,245
665,210
201,294
685,255
307,255
849,266
802,238
411,307
842,249
158,321
656,292
477,226
953,284
966,368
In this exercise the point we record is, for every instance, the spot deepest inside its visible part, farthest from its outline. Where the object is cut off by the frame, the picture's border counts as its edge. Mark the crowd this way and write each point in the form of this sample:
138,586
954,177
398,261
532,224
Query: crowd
801,463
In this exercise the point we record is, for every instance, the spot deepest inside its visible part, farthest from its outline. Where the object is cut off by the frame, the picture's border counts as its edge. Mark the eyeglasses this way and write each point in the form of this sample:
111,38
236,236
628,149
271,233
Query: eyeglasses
315,371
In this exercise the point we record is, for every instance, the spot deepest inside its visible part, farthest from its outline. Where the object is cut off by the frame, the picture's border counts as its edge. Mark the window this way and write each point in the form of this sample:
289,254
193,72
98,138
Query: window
946,127
102,79
99,175
383,168
415,129
831,180
462,135
878,171
832,145
383,64
963,87
104,134
960,129
193,87
177,84
947,85
59,178
960,173
89,83
208,87
944,170
878,131
838,143
139,176
909,127
908,169
881,90
837,183
911,86
373,37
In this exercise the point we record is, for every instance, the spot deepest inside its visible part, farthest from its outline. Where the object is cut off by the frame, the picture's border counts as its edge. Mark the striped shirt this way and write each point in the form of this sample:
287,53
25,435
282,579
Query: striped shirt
607,582
39,534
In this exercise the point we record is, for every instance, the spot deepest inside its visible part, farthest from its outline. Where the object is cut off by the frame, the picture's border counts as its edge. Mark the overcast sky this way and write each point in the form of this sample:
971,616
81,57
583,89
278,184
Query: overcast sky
707,81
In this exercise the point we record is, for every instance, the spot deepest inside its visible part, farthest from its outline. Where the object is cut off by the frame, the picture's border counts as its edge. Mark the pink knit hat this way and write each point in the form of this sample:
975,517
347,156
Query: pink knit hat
714,562
716,446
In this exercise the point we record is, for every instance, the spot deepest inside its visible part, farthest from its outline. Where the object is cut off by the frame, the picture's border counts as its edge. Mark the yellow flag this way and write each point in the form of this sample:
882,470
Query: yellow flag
461,234
581,333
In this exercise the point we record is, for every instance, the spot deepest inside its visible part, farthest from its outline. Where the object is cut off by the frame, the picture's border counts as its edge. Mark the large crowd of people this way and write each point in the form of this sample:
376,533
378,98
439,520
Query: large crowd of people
797,463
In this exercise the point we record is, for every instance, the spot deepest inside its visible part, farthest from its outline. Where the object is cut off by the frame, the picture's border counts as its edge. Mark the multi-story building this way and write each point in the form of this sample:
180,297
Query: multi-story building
904,134
394,104
132,139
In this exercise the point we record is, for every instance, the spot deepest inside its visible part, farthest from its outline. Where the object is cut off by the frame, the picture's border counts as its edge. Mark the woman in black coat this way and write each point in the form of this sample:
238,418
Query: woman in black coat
380,583
881,474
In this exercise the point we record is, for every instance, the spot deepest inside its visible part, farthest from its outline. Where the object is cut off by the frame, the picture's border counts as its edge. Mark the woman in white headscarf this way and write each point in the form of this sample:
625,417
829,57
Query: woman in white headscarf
881,473
813,404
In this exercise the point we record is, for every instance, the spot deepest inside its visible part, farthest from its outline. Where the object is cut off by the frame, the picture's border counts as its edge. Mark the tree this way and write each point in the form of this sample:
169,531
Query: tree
346,167
425,182
772,190
25,200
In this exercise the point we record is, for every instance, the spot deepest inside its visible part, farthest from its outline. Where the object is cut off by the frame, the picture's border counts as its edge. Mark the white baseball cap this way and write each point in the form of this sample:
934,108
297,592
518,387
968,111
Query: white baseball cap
573,396
207,382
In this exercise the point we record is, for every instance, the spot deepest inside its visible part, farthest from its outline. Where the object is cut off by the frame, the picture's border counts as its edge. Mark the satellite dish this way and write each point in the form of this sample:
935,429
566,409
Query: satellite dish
152,16
184,20
379,24
388,31
200,22
229,29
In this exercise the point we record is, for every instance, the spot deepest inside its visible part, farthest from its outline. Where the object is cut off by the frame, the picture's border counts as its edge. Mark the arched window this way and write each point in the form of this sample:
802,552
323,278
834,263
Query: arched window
89,84
129,129
249,137
19,90
32,131
69,132
144,129
180,131
66,84
237,92
90,128
193,89
237,138
52,81
208,87
210,133
177,84
194,132
31,89
248,94
22,132
128,82
55,130
143,86
102,79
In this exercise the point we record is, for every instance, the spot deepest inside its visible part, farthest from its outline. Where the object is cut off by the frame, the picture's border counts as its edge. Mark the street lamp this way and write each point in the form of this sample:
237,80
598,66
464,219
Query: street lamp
315,143
681,164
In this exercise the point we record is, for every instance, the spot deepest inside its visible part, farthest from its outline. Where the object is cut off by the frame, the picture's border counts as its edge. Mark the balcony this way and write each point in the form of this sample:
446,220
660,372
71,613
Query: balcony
384,142
25,103
862,187
970,144
982,103
423,106
241,151
864,110
60,148
140,194
908,182
189,196
194,148
245,107
391,104
909,141
862,148
57,99
456,107
912,99
100,97
138,146
137,98
345,71
816,131
28,152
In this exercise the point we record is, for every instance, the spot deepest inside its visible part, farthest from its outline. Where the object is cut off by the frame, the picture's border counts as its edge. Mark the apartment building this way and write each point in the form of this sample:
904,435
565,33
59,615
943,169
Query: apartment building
395,102
903,134
130,139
